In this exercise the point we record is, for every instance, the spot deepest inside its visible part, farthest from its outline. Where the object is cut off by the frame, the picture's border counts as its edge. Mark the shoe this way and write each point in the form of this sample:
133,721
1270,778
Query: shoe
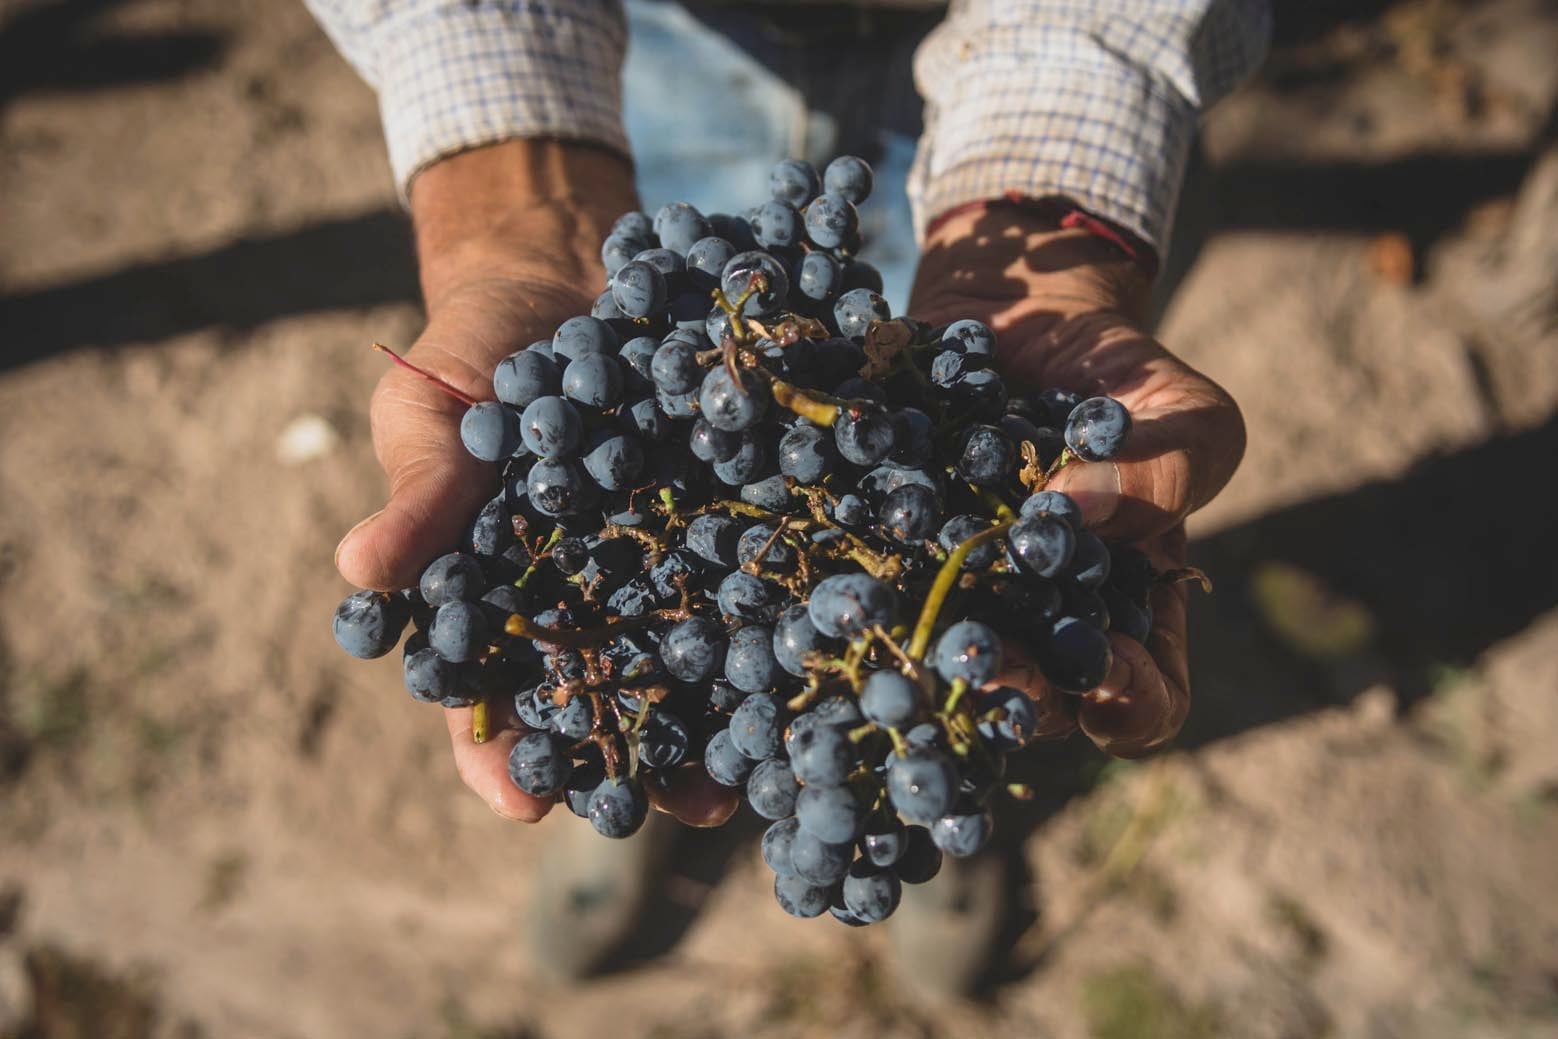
948,937
590,894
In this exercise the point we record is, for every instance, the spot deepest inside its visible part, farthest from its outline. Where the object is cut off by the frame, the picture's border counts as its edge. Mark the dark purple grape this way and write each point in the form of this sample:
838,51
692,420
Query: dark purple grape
524,376
712,537
594,381
830,813
725,764
772,789
776,844
706,261
821,755
910,514
1017,722
575,720
551,427
801,898
795,637
750,664
921,858
618,807
368,624
891,699
758,540
1076,657
850,177
963,832
856,310
776,225
922,785
818,276
450,577
988,457
871,893
459,631
613,460
680,227
959,529
1042,544
807,454
639,289
555,486
747,598
1053,503
730,404
817,861
711,445
831,221
884,842
1097,429
538,765
864,433
579,336
970,651
846,605
794,181
972,338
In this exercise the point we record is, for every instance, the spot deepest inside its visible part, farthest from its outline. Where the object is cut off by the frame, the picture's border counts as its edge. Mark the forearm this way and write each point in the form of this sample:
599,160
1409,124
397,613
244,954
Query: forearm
529,210
1094,103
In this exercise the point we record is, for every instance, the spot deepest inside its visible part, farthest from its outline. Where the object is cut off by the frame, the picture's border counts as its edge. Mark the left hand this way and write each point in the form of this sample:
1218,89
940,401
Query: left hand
1065,306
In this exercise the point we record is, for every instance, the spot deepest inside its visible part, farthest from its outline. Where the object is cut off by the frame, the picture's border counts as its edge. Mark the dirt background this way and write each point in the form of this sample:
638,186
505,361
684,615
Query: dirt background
212,823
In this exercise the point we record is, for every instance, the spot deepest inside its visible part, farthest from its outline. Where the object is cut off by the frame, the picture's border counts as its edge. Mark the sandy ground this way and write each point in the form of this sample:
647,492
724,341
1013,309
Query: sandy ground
212,823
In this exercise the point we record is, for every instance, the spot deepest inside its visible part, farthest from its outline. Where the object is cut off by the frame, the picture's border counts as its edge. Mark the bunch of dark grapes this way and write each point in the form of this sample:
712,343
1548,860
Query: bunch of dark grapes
746,521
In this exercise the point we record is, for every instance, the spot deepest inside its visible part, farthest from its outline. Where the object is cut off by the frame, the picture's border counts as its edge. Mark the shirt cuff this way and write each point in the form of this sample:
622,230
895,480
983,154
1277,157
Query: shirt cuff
457,75
1077,122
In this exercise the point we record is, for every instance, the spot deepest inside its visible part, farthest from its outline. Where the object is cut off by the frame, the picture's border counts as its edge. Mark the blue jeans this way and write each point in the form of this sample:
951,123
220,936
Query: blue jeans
708,115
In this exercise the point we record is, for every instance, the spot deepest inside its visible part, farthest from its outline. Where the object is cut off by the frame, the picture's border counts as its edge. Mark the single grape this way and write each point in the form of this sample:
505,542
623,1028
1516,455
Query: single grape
613,459
639,289
675,368
712,445
538,765
846,605
921,859
551,427
1042,544
913,433
750,665
594,381
1058,405
800,898
776,225
450,577
770,494
1053,503
978,394
677,405
523,376
1097,428
856,310
492,531
988,457
817,861
864,433
570,555
680,227
693,650
871,893
635,226
794,181
970,651
746,598
618,807
948,367
851,511
723,762
818,276
891,699
959,529
884,842
838,711
831,221
1076,657
970,337
859,274
459,631
712,537
772,789
617,250
1089,565
758,540
963,832
776,843
762,270
1126,615
580,336
850,177
820,754
732,404
807,454
555,486
368,624
706,261
429,677
833,814
582,781
796,637
910,514
922,785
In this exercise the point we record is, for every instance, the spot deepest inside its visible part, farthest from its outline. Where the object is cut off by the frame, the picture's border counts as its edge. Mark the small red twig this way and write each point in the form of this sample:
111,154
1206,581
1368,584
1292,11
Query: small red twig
463,398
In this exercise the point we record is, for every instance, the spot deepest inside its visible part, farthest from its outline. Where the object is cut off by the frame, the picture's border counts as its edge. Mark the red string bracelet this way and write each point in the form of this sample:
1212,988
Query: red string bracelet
1066,215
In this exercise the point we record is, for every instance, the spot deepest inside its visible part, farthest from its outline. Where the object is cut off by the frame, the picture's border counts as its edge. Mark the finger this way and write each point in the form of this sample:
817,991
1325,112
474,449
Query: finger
484,767
1174,461
691,795
436,486
1056,717
1143,702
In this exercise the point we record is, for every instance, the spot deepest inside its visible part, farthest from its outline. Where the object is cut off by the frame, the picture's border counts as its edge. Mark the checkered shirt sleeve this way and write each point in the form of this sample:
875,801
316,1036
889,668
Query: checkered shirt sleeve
457,74
1096,102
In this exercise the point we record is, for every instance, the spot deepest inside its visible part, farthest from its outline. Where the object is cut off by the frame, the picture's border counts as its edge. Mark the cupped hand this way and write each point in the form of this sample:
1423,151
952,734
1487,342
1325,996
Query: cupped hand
1065,308
500,269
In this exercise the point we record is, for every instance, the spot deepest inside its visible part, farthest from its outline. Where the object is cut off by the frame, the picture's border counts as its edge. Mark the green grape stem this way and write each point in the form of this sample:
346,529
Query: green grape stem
946,577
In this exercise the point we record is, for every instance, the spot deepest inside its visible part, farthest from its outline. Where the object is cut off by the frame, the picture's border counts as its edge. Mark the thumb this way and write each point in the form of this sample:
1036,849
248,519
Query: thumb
436,486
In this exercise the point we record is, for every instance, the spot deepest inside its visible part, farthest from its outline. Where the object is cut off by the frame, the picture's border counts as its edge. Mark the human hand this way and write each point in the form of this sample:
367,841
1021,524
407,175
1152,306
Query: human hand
1065,306
508,240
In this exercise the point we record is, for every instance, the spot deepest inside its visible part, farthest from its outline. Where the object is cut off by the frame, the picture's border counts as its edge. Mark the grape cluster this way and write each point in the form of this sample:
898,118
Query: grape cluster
747,521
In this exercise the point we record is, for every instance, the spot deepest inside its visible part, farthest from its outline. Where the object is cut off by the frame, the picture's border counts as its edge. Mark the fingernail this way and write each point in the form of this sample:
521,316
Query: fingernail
1094,486
350,533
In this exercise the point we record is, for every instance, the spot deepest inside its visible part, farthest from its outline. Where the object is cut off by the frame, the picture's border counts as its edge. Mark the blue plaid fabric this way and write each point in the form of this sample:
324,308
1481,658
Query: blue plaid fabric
1096,102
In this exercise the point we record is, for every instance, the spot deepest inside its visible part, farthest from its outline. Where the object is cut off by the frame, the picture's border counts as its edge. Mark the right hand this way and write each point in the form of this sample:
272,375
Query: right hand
508,239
